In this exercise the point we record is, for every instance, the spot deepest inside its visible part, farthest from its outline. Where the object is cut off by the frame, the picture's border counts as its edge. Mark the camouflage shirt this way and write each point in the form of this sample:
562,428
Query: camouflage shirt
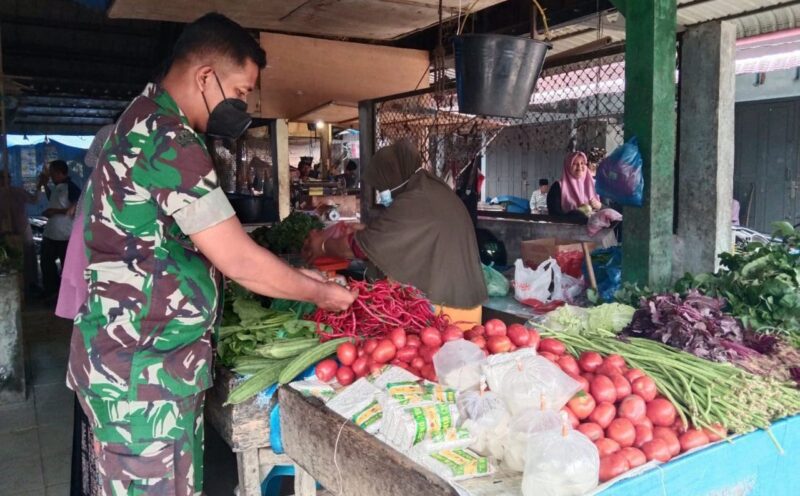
144,333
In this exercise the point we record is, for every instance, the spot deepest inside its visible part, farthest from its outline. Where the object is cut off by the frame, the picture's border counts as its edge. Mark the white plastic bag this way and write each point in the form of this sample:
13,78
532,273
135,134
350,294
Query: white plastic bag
522,432
560,463
542,284
536,383
458,365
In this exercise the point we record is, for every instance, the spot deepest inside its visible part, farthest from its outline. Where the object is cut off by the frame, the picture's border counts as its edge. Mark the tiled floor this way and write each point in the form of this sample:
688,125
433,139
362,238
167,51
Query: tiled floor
36,435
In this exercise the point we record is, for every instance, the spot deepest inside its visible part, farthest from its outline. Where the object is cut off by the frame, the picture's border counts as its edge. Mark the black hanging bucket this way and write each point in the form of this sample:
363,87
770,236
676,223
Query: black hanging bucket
496,74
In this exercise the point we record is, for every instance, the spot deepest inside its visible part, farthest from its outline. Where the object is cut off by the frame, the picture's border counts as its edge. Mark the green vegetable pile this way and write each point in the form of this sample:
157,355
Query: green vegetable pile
761,284
288,235
267,344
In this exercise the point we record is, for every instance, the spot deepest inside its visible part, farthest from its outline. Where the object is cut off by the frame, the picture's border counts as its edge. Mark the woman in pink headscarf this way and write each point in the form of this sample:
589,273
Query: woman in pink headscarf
575,192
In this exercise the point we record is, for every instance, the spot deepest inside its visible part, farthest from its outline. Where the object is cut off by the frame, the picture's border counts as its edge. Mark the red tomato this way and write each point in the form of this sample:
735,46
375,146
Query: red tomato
513,347
480,341
370,345
428,372
644,387
375,367
406,354
426,352
345,375
616,361
612,466
621,385
634,374
591,430
603,389
413,340
644,434
666,434
398,337
384,352
417,363
679,427
360,366
634,456
693,438
452,333
603,414
498,344
661,412
518,334
606,446
645,422
608,369
431,337
633,408
588,376
553,346
622,431
715,432
584,383
550,356
573,419
347,353
326,369
495,327
590,360
478,330
657,449
582,405
533,338
569,365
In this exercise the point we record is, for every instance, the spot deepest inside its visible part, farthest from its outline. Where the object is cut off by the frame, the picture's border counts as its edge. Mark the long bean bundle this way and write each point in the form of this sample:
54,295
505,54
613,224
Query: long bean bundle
704,392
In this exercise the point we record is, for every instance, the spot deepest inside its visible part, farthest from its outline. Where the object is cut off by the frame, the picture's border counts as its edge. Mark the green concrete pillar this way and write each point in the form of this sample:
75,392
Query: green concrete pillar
650,115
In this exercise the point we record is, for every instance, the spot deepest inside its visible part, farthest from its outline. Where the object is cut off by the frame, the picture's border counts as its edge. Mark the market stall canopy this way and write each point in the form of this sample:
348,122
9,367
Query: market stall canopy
311,79
357,19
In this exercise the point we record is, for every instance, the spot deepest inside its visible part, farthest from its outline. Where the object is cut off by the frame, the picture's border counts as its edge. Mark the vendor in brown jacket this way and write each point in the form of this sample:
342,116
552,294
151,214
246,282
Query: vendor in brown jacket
422,237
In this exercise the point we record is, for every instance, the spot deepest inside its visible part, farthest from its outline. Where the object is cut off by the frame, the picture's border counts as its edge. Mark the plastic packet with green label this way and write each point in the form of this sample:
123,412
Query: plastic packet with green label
456,464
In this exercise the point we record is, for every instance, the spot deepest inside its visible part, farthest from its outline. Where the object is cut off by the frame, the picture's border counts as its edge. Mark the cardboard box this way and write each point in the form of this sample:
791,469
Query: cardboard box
536,251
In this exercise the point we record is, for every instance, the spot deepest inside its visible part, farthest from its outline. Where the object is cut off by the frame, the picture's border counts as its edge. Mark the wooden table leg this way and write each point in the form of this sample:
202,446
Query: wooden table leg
249,473
589,268
304,484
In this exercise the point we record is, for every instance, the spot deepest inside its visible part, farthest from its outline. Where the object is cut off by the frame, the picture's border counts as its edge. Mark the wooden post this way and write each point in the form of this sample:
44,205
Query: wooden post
325,139
366,143
282,161
650,116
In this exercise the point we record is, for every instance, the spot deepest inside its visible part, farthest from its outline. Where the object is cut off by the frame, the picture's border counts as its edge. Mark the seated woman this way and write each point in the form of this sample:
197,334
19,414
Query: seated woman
423,237
574,196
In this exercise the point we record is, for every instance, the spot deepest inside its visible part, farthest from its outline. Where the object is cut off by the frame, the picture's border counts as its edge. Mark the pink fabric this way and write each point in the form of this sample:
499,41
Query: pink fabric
576,192
74,288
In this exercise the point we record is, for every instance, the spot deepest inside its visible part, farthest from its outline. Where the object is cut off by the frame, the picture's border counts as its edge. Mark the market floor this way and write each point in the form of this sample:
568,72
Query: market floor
36,435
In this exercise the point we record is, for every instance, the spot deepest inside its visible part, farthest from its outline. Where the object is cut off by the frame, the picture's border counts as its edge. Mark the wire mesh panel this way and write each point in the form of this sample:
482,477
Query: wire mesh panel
575,106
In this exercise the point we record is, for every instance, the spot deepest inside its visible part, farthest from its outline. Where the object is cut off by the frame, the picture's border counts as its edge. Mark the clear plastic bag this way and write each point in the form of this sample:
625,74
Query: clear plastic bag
536,383
560,463
522,432
483,412
458,365
496,366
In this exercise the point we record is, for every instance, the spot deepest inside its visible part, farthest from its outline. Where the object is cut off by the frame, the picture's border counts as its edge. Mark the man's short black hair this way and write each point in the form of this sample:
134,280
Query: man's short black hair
214,35
59,166
351,165
543,182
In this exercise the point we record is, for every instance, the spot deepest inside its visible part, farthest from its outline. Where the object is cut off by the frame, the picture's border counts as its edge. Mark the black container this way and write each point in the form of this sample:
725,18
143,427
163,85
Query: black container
496,74
249,209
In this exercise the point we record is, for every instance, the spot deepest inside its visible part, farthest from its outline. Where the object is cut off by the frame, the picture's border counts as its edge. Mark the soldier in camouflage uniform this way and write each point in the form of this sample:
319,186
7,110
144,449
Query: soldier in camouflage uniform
158,231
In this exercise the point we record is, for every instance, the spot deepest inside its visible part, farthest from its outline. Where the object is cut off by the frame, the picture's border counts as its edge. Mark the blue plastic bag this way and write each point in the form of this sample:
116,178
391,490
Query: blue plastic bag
607,264
619,176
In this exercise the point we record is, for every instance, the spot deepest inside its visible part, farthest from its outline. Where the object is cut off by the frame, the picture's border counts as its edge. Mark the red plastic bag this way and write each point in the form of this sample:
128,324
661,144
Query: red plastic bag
570,262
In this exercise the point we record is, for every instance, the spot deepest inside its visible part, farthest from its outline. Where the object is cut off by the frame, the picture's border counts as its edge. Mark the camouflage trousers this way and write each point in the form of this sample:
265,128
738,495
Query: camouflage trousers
152,448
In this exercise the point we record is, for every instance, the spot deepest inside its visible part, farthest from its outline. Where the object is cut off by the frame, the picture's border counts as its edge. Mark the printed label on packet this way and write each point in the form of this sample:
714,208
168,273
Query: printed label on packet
462,463
450,435
368,416
440,394
430,420
404,389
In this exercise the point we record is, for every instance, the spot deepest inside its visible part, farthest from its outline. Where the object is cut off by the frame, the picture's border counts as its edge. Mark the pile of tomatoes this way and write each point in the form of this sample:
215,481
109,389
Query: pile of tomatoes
620,410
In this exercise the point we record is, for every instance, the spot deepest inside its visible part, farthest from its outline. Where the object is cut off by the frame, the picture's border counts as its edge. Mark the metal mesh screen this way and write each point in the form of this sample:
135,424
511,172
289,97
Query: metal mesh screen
575,106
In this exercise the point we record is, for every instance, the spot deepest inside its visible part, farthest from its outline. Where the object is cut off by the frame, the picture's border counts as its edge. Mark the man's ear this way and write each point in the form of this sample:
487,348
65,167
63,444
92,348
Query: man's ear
203,76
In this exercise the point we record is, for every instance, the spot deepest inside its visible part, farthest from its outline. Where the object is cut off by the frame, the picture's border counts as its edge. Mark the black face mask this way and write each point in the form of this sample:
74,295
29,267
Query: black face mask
229,119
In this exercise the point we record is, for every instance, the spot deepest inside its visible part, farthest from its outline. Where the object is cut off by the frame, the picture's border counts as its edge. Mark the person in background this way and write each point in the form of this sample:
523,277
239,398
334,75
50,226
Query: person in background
423,236
575,193
539,198
159,234
351,174
593,158
13,201
60,199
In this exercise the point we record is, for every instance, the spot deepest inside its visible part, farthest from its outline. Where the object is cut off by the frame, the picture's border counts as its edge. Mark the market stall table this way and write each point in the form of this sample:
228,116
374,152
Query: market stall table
348,460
